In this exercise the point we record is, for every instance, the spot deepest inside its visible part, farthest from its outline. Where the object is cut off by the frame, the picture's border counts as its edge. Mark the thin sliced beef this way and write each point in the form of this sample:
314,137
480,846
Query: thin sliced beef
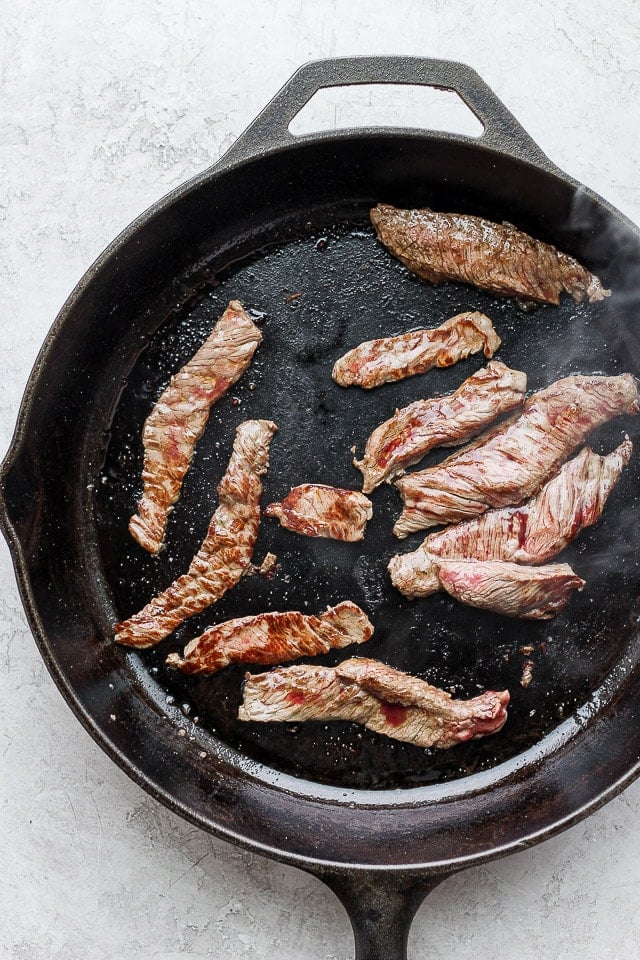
531,534
494,256
411,432
513,460
317,510
375,362
273,638
226,551
375,695
530,593
179,417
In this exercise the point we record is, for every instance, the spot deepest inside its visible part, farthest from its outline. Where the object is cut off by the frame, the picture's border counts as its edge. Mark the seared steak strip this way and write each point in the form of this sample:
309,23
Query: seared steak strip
317,510
448,421
179,417
512,461
375,362
375,695
227,548
494,256
531,593
531,534
265,569
273,638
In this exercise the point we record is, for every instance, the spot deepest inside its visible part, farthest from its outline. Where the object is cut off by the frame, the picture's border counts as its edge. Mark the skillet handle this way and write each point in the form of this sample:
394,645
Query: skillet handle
502,132
381,908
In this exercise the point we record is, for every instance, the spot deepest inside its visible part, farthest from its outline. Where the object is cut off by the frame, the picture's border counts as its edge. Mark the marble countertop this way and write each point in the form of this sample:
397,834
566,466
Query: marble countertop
105,108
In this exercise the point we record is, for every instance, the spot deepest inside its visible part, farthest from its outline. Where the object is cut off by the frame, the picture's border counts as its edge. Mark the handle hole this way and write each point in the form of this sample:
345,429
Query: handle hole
386,105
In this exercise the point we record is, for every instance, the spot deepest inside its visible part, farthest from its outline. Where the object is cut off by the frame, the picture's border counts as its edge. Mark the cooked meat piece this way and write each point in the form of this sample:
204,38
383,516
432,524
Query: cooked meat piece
270,561
532,533
530,593
265,569
273,638
527,673
512,461
441,421
394,358
375,695
494,256
227,548
179,417
316,510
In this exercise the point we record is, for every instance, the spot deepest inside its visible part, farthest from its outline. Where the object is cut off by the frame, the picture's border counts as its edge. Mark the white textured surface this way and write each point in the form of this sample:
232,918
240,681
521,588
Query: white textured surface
105,107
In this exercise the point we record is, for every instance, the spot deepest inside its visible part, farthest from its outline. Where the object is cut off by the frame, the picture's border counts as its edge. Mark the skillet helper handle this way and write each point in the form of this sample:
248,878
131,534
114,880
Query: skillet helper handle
381,909
502,131
20,501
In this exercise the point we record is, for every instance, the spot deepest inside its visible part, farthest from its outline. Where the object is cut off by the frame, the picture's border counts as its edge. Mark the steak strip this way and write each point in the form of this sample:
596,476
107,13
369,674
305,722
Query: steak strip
272,638
375,362
227,548
412,431
512,461
317,510
378,697
180,415
494,256
530,593
531,534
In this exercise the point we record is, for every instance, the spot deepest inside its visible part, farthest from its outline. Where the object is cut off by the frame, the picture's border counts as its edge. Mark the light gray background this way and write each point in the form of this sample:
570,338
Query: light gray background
105,107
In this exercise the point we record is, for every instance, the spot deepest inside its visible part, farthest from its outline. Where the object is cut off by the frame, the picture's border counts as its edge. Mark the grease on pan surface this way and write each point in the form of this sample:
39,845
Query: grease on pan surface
353,290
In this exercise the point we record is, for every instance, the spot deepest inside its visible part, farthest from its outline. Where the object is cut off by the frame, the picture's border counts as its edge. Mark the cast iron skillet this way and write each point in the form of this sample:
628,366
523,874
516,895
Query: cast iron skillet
380,822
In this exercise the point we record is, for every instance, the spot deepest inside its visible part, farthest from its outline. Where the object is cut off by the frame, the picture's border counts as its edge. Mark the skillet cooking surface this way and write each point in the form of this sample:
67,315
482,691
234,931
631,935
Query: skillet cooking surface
351,290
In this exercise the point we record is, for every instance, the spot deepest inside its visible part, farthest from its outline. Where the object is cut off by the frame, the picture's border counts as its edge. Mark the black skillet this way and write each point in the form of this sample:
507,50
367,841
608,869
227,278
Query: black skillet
281,223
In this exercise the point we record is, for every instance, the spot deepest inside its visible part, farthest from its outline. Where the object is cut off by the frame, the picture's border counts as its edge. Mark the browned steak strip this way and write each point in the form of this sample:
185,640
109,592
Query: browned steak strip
375,695
512,461
273,638
494,256
227,548
448,421
317,510
179,417
531,593
375,362
531,534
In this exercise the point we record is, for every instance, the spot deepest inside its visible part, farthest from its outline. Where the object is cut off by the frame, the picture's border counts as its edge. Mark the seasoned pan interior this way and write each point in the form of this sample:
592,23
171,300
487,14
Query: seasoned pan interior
320,283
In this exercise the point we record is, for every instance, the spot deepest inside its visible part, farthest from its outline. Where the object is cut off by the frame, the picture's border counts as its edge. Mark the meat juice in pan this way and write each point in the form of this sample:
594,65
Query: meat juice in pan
318,291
